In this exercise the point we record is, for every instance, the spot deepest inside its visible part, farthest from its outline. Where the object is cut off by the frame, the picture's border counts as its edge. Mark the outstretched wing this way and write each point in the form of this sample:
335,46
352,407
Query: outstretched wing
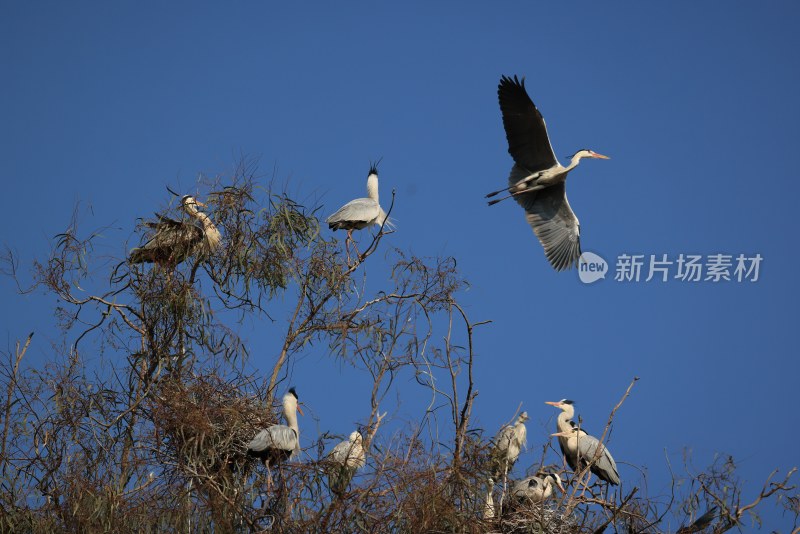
526,132
555,224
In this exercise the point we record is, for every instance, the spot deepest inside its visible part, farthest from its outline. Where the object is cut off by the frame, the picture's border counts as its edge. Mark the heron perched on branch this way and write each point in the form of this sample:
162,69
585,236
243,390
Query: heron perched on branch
277,443
537,488
579,448
345,458
507,445
172,242
564,424
537,180
583,449
361,212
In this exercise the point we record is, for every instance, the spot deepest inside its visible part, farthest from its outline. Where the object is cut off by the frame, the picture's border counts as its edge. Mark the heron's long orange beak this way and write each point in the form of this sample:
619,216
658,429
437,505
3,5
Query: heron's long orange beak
599,156
199,203
299,409
551,403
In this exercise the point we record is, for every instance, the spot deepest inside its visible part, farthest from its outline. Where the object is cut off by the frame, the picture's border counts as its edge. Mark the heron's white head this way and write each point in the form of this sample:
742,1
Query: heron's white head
355,437
586,153
555,479
290,404
574,432
565,405
372,181
522,417
190,204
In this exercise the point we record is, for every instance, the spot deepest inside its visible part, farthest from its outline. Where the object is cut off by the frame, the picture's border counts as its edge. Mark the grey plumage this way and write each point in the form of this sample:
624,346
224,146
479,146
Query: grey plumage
277,443
583,448
537,179
361,212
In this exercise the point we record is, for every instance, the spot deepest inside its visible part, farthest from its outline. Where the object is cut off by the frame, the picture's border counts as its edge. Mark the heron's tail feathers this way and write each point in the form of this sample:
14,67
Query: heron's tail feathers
339,479
385,221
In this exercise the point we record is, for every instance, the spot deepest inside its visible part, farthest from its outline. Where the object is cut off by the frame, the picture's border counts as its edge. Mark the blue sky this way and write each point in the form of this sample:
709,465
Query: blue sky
696,103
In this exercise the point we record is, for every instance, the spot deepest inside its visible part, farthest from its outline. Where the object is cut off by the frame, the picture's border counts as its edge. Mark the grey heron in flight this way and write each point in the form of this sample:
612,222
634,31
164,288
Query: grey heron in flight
583,449
507,445
277,443
172,242
537,180
361,212
537,488
345,459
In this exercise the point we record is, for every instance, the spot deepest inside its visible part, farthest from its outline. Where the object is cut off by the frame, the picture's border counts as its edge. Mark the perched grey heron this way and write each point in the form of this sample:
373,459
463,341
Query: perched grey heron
277,443
564,424
583,448
174,241
507,445
537,180
345,458
537,488
361,212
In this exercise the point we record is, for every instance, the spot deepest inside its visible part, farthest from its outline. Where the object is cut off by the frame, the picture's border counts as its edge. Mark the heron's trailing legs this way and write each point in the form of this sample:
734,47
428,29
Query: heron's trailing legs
529,190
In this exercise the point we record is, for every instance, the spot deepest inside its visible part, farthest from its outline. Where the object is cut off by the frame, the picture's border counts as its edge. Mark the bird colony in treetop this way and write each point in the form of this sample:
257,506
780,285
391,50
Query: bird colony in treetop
538,183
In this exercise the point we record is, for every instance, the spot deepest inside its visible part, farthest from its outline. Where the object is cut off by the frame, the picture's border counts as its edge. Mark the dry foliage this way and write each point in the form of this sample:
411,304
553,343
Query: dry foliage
140,421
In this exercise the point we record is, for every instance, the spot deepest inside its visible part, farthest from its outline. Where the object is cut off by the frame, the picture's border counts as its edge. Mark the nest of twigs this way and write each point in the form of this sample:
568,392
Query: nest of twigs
205,424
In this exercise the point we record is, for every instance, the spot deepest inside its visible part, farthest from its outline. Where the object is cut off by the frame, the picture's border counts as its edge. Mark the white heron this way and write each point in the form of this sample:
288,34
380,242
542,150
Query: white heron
537,488
583,448
345,459
488,504
361,212
537,179
507,445
173,241
277,443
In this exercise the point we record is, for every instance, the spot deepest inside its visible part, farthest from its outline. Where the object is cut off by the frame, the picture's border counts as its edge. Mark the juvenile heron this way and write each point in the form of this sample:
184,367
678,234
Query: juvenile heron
507,446
345,459
537,179
537,488
173,241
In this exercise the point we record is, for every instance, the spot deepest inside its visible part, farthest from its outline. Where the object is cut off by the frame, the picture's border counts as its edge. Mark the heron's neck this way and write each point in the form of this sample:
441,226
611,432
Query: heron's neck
574,162
212,234
372,187
522,433
291,418
563,420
